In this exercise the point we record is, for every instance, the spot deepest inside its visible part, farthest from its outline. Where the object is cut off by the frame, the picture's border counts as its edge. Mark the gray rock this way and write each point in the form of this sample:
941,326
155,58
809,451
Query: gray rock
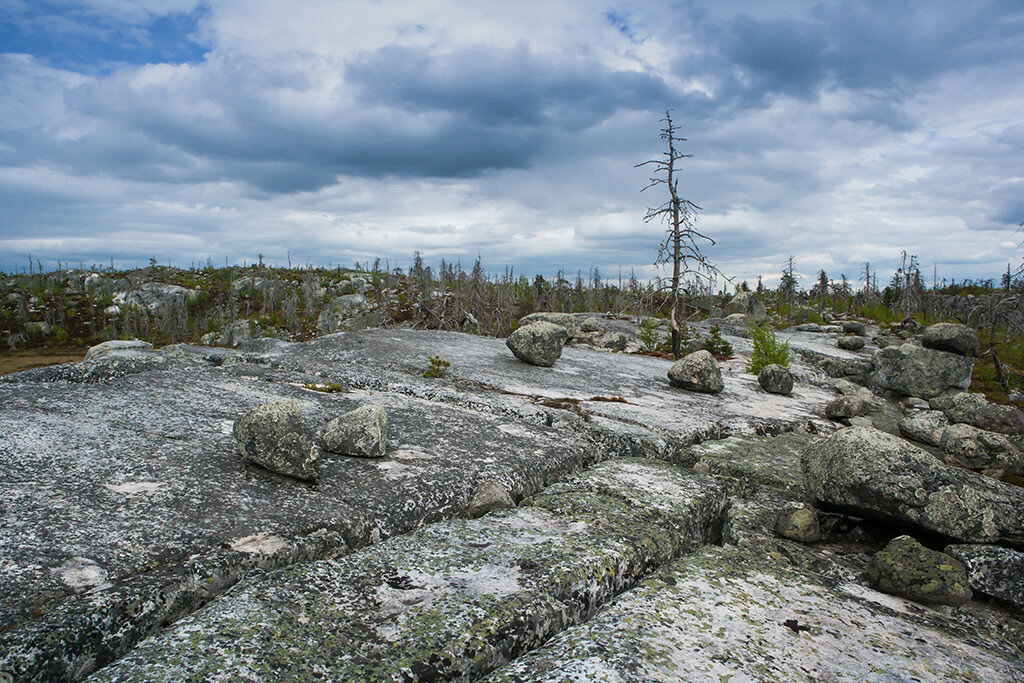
107,349
855,327
538,343
845,386
924,427
966,446
809,327
868,472
591,324
39,329
851,343
563,320
975,410
348,303
112,311
361,432
736,319
798,522
490,495
747,304
908,569
845,407
846,367
802,314
951,337
920,372
776,379
697,371
276,437
993,570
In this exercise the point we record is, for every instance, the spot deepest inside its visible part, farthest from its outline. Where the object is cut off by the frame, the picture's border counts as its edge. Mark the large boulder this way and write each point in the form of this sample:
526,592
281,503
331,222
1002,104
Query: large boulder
867,472
275,436
697,371
746,303
916,371
776,379
975,410
992,570
951,337
855,327
564,320
361,432
538,343
117,347
908,569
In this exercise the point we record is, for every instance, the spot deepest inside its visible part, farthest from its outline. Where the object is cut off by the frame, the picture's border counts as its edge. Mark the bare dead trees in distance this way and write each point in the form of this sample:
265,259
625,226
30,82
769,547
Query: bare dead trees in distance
681,246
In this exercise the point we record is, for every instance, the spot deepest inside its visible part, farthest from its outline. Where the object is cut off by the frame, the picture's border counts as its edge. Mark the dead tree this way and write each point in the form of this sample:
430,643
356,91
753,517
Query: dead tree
681,247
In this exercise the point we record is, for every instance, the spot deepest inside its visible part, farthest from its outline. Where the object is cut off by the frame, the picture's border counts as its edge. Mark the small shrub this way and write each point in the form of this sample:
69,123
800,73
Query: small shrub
767,349
438,368
648,334
60,334
716,345
332,388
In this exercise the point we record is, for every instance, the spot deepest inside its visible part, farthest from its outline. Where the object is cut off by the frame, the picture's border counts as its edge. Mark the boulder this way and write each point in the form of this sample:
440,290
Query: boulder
275,436
855,327
736,319
538,343
361,432
846,367
490,495
916,371
808,327
924,427
746,303
851,343
966,446
798,522
845,407
776,379
867,472
908,569
116,347
992,570
975,410
564,320
39,329
951,337
697,371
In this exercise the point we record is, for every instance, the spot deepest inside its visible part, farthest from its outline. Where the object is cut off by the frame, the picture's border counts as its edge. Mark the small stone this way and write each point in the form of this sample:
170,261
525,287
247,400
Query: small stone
908,569
798,522
361,432
539,343
776,379
490,495
697,371
851,343
276,437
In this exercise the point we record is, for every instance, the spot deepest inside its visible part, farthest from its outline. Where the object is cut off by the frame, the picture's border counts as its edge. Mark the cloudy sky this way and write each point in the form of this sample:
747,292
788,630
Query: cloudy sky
338,131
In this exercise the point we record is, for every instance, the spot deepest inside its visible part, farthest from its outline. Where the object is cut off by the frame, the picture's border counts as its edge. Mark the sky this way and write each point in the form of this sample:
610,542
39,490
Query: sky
333,132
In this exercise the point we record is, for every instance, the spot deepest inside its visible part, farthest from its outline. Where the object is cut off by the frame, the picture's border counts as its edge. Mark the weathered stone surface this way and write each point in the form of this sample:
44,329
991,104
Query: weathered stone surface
966,446
993,570
453,601
974,409
846,406
868,472
115,348
951,337
538,343
924,427
851,342
697,371
361,432
275,436
567,321
490,495
741,613
798,522
920,372
908,569
776,379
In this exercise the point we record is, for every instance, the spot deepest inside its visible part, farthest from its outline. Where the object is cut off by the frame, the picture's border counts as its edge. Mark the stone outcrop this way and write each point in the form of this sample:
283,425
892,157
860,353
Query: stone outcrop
951,337
538,343
868,472
916,371
697,371
275,436
116,348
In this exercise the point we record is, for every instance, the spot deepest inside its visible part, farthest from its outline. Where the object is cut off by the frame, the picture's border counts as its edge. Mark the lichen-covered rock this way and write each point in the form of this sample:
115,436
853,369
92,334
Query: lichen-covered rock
489,496
871,473
851,342
993,570
564,320
846,406
115,347
798,522
747,304
966,446
776,379
924,427
951,337
974,409
538,343
361,432
276,437
916,371
697,371
908,569
855,327
858,368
